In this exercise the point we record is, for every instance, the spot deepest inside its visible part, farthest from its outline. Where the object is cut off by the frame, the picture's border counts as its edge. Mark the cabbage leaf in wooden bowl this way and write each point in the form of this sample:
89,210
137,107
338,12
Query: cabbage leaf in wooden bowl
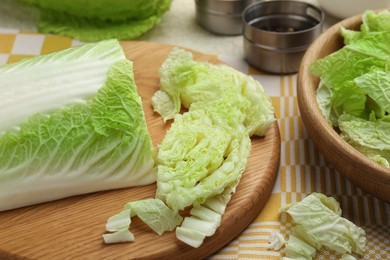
344,99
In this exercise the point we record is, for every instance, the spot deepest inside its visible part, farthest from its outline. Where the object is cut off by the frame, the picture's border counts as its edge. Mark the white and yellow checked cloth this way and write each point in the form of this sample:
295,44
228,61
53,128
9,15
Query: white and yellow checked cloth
303,170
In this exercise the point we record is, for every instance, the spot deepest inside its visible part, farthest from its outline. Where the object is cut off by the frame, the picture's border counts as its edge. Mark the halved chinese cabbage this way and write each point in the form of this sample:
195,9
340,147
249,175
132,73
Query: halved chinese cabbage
71,123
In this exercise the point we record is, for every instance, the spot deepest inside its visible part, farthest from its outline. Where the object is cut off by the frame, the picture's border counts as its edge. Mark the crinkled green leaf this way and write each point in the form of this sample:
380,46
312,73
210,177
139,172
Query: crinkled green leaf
372,22
326,226
355,84
97,142
98,20
375,22
369,137
189,82
198,159
377,86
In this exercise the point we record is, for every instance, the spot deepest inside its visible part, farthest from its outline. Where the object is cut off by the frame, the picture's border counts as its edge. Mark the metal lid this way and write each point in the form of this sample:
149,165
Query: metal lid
300,23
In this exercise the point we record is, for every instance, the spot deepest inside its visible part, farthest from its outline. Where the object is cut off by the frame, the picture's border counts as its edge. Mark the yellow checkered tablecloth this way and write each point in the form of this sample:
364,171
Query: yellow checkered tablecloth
303,169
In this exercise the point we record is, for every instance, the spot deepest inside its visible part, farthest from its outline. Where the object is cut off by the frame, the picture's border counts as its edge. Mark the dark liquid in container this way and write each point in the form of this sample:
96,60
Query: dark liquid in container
284,23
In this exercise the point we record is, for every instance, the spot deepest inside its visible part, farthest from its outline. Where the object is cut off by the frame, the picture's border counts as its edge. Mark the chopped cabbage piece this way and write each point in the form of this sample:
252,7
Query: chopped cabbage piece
298,249
276,240
120,236
219,88
155,214
326,226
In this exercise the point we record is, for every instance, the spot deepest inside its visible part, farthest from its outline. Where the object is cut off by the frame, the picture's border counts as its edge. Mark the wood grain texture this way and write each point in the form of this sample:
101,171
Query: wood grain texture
72,228
361,171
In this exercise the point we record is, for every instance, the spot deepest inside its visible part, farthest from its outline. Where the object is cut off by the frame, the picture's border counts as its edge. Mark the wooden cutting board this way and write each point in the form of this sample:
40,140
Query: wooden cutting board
72,228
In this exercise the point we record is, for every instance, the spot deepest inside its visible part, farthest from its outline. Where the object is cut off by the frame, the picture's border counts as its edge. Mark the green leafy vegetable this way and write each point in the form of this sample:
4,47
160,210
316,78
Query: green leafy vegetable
300,233
206,149
48,82
319,223
198,159
77,126
298,249
156,214
99,20
355,85
119,226
204,153
153,212
204,219
377,87
232,94
276,240
369,137
120,236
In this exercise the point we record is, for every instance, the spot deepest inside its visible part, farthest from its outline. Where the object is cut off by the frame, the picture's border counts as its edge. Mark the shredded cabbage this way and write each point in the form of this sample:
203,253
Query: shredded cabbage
204,153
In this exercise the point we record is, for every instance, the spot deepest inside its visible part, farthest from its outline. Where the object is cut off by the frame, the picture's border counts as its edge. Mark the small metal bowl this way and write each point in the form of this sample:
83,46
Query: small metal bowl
278,32
221,16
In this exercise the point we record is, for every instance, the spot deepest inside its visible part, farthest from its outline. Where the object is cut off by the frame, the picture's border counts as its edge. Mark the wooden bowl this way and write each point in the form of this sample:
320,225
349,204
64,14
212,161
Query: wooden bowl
357,168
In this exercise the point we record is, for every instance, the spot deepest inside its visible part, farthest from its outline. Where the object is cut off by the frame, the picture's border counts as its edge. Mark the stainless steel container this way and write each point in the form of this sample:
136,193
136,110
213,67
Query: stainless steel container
221,16
278,32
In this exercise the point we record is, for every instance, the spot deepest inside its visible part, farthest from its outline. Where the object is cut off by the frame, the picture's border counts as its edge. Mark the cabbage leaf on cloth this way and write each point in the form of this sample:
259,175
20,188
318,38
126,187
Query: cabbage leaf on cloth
203,155
318,223
71,122
98,20
354,90
325,226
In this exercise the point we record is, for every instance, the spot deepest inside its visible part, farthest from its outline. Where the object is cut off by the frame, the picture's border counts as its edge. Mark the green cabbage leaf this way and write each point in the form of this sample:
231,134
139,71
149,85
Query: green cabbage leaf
355,84
369,137
72,123
319,223
198,159
191,83
99,20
